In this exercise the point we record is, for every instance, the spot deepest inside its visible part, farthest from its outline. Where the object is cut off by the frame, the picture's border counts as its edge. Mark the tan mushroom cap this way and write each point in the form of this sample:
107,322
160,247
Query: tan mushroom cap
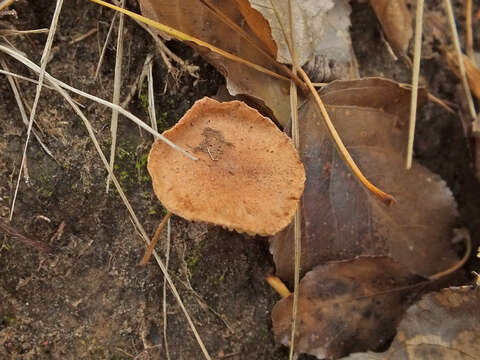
248,175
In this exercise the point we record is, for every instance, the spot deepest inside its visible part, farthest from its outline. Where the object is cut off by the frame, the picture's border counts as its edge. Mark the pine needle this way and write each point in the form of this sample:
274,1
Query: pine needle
415,76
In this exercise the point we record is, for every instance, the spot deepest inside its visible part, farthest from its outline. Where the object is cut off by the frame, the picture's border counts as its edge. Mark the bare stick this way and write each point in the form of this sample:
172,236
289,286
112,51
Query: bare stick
156,236
461,65
83,36
117,83
415,76
43,61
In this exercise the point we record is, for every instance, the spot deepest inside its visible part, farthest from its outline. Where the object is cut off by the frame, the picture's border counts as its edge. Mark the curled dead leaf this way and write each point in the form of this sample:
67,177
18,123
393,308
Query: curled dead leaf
396,23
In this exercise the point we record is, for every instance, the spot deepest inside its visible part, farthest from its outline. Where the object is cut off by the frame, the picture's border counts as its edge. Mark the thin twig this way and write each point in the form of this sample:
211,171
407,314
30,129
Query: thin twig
117,83
59,87
461,65
43,62
156,236
40,246
415,76
83,36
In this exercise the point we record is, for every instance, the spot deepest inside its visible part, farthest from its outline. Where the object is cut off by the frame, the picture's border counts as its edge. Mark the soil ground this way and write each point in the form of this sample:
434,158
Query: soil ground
89,299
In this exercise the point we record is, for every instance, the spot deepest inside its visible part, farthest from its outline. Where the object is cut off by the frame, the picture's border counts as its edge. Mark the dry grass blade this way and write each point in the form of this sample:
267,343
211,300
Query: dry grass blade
11,32
105,44
117,83
5,3
164,302
151,97
469,32
122,111
43,61
463,75
21,108
60,88
185,37
415,76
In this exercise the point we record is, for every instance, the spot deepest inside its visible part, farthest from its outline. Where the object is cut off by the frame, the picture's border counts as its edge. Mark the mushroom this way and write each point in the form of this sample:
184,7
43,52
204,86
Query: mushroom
247,176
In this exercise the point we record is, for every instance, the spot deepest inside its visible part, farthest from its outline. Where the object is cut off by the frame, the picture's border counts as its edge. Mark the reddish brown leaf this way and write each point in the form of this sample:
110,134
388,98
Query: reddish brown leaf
347,306
396,22
340,220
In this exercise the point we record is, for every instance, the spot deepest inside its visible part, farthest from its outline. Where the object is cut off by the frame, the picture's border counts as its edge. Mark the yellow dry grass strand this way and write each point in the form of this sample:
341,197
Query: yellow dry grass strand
5,3
44,60
461,65
415,76
385,197
59,86
117,83
185,37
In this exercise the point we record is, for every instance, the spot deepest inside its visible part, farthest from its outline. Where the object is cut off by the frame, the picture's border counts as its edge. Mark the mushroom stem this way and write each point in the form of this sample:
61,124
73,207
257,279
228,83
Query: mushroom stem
278,286
387,198
156,236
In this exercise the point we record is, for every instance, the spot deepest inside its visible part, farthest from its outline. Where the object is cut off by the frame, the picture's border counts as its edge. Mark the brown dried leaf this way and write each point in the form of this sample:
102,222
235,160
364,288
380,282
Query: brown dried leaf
340,220
321,34
473,73
196,19
442,325
347,306
396,23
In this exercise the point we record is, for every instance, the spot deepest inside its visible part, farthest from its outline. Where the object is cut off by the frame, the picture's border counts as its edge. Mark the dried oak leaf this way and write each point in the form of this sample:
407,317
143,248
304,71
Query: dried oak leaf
340,219
321,35
347,306
248,175
396,23
442,325
196,19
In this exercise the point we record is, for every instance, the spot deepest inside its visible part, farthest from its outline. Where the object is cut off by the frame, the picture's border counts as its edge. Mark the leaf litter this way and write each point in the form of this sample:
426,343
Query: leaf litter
376,224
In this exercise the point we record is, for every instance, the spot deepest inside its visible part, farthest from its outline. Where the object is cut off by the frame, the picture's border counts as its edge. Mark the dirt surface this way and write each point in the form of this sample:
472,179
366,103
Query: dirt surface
88,298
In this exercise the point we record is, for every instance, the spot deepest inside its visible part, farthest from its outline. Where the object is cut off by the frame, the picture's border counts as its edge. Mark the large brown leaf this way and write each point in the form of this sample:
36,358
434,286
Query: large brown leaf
347,306
340,219
196,19
443,325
